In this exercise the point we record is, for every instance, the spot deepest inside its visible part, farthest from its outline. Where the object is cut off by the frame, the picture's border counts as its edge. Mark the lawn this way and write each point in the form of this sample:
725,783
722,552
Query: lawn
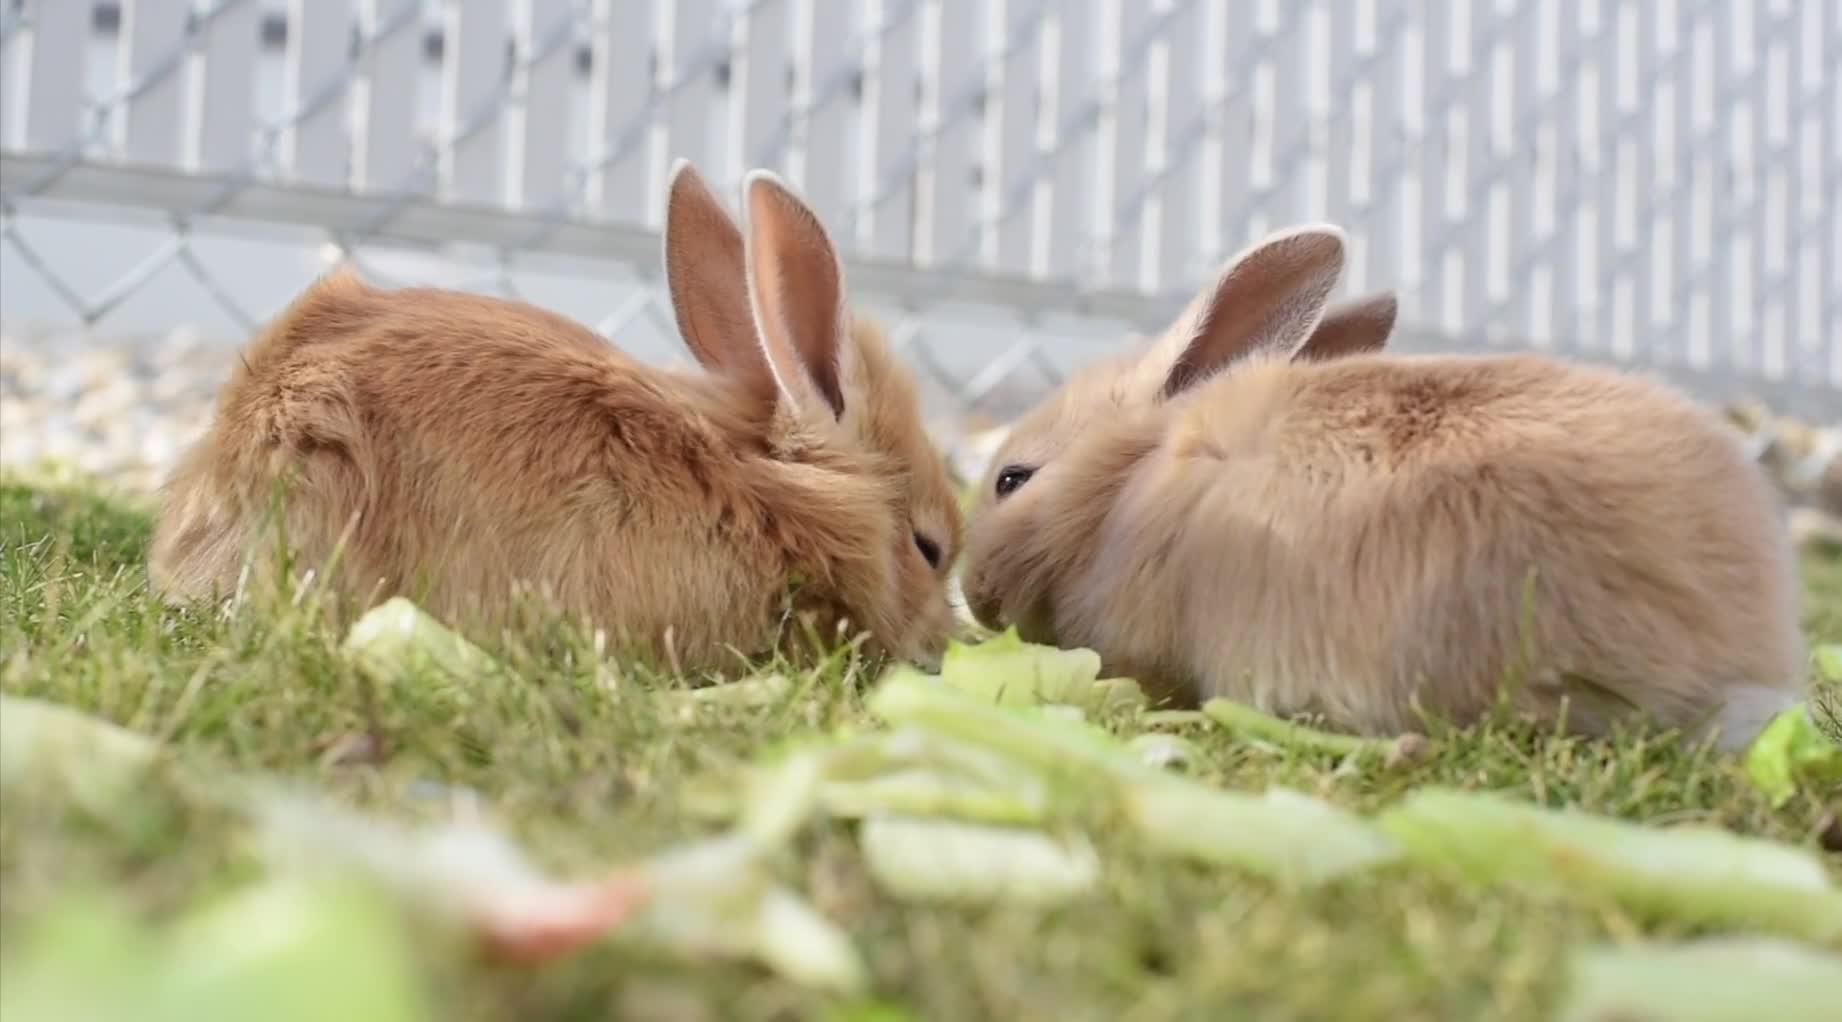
589,763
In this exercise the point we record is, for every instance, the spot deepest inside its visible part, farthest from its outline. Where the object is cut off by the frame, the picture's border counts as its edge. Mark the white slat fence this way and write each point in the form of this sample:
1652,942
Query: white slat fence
1656,182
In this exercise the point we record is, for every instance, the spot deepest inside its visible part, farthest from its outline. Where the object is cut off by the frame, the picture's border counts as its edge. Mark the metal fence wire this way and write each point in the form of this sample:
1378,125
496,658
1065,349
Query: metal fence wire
1016,185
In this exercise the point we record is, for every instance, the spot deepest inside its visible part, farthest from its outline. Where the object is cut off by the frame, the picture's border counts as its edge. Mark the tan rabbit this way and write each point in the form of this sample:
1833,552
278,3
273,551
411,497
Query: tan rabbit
475,445
1356,534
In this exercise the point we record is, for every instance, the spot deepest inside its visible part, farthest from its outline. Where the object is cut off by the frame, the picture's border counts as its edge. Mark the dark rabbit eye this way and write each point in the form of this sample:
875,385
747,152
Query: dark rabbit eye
1012,477
930,550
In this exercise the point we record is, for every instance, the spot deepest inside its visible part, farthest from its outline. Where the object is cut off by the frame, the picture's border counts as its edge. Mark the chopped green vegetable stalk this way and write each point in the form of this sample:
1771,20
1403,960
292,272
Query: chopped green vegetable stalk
1283,834
1829,663
1010,672
282,950
52,749
941,860
1024,734
782,797
1791,751
937,793
1710,980
397,639
793,939
1246,720
767,690
1691,874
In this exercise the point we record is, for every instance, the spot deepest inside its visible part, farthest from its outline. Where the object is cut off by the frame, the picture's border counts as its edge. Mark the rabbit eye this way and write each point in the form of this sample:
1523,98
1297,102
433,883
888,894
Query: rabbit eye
930,550
1012,477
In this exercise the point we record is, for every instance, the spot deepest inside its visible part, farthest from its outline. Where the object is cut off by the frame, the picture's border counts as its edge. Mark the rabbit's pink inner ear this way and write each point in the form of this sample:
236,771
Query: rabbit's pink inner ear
1352,328
706,273
798,291
1269,299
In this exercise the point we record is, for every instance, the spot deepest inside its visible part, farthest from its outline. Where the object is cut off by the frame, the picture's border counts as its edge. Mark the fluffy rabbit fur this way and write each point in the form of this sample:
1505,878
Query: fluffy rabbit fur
1264,506
459,448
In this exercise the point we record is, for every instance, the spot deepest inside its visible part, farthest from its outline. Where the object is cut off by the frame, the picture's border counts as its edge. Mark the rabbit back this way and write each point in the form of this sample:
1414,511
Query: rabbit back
1358,536
451,444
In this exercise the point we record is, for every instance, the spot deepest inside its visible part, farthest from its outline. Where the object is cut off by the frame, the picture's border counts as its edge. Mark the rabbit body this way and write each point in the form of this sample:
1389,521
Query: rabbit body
457,447
1365,535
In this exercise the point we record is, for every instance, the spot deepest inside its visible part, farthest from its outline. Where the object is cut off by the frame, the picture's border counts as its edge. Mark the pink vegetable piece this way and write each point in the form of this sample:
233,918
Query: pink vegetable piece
558,920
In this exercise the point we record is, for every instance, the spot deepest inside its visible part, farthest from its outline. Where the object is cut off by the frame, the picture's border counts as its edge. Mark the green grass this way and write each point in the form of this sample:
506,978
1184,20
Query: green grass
586,767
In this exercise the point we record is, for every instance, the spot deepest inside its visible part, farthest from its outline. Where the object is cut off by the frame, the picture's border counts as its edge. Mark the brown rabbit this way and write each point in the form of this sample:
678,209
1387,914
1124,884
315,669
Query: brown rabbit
1356,534
463,446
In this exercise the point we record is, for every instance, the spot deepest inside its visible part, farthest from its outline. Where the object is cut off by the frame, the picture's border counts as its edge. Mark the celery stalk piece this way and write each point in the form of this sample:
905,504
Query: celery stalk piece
1283,834
47,747
766,690
1710,980
935,793
281,950
1829,663
1010,672
1791,750
1243,719
1692,874
1023,734
396,639
919,859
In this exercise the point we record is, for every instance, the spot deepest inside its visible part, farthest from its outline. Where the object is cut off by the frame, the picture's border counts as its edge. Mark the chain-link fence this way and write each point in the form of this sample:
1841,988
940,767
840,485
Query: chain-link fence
1016,184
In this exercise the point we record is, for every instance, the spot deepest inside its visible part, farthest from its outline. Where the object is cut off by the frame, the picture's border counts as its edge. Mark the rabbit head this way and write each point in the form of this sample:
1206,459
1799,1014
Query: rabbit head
1063,462
768,312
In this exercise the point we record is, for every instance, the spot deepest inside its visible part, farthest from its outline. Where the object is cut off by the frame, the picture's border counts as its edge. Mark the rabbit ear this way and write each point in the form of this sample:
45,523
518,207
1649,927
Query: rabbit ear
1355,327
1269,299
707,277
796,287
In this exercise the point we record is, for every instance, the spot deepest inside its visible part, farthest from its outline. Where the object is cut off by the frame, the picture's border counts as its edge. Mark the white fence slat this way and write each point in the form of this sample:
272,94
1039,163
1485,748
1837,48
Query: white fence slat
1071,197
952,206
473,73
12,61
1677,255
1011,132
1178,213
150,126
1820,184
1728,178
1342,148
1523,101
1832,174
1637,160
1387,166
759,107
692,106
619,89
544,82
1482,184
1125,132
1290,157
313,148
387,141
825,30
1433,172
54,73
226,89
889,114
1566,185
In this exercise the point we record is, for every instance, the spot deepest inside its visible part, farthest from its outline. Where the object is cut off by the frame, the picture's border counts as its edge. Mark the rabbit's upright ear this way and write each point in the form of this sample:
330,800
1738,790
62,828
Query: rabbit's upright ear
707,277
1270,298
1355,327
796,287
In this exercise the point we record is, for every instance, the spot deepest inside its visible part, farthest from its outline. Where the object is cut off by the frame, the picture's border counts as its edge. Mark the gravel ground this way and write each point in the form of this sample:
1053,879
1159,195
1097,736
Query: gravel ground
125,408
122,410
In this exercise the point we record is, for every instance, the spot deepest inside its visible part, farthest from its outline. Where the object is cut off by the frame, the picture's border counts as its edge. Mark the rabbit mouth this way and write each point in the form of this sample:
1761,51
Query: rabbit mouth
987,609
